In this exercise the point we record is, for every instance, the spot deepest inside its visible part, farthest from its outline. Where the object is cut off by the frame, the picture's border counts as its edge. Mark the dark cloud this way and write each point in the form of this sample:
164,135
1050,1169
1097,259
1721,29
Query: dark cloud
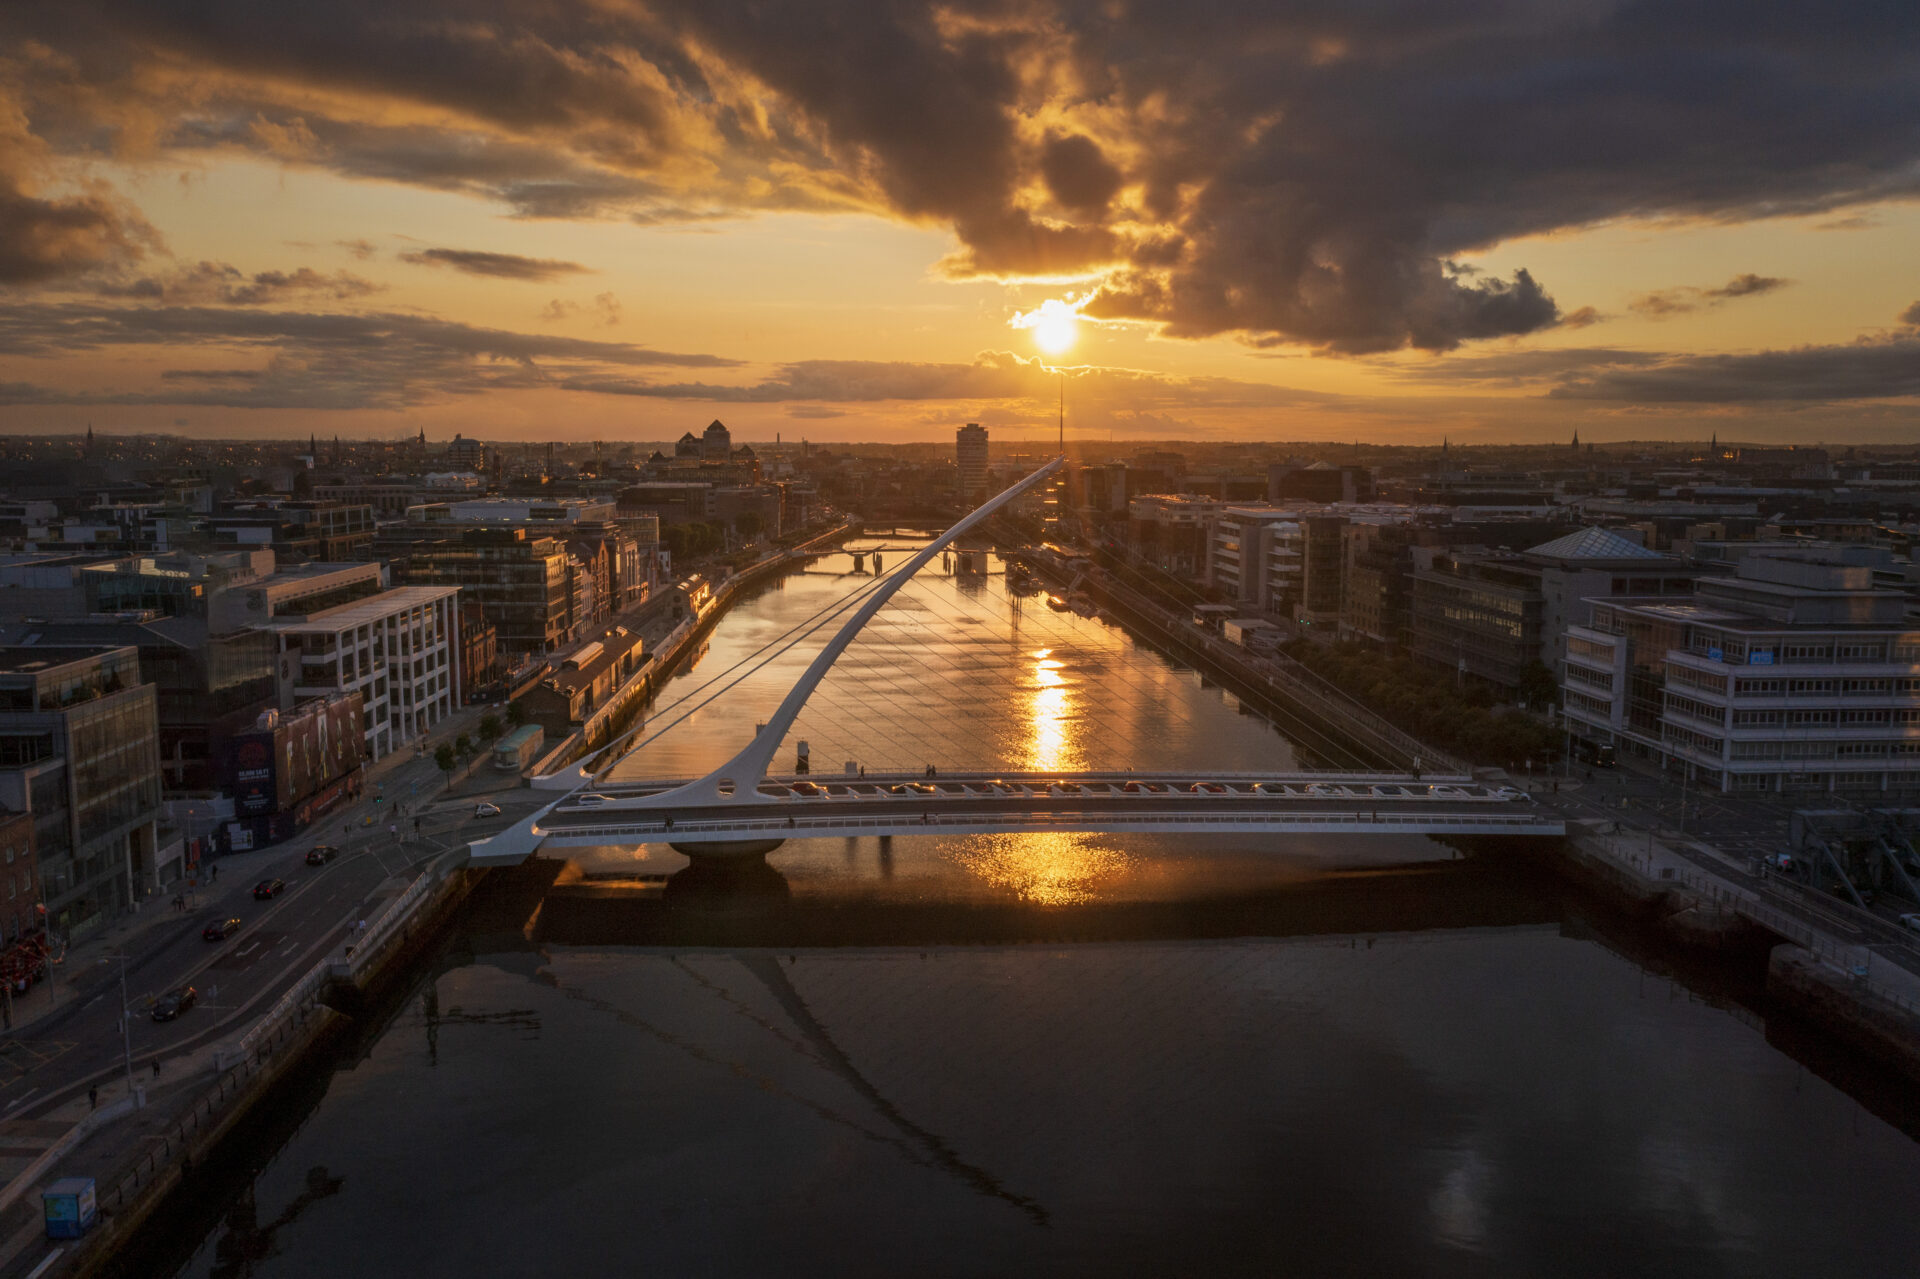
43,240
1525,368
218,282
994,375
1911,316
1307,172
501,266
313,359
1662,303
1868,370
605,307
1078,174
45,236
1585,317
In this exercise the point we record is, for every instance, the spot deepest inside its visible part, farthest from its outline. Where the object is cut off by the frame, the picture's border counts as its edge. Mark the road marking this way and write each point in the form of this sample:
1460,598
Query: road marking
45,1262
21,1100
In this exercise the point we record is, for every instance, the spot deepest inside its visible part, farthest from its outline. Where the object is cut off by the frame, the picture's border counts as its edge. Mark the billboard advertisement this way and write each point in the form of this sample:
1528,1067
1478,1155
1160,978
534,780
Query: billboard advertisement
310,748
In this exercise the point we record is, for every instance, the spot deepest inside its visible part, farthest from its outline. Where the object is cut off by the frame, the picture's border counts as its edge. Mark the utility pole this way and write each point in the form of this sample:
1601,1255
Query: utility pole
126,1024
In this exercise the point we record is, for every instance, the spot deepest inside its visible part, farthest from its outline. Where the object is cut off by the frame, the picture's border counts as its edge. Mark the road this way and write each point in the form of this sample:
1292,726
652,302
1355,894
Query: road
78,1044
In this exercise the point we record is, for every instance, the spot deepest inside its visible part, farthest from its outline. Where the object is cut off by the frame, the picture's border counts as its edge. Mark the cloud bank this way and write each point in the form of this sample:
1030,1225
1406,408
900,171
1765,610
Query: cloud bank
1289,171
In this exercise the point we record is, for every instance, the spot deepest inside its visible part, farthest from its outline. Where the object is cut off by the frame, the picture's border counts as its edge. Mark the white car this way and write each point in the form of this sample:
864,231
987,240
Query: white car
589,801
486,810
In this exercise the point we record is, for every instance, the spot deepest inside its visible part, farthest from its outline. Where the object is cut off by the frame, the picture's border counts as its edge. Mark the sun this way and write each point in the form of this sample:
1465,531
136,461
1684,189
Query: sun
1055,325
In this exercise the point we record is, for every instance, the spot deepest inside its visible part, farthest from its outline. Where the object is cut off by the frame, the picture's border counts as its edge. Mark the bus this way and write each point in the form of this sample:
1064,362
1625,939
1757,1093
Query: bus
518,749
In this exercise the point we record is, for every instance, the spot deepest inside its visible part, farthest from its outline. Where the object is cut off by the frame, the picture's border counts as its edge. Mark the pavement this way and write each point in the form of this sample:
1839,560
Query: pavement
67,1035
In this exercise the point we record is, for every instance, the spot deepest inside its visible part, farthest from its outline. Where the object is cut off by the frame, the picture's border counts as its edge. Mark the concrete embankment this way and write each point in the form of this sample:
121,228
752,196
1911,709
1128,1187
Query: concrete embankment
1846,1004
617,712
1817,969
1319,718
153,1153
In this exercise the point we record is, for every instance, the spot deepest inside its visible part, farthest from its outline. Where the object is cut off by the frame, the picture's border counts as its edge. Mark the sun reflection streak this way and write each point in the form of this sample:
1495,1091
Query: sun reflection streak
1050,869
1049,715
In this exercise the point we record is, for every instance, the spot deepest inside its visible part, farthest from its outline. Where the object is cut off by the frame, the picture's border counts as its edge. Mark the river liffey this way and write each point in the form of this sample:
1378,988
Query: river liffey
1068,1055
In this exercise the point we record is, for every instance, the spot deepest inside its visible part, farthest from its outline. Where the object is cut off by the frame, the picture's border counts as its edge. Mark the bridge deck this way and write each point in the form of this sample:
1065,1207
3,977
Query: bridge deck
794,807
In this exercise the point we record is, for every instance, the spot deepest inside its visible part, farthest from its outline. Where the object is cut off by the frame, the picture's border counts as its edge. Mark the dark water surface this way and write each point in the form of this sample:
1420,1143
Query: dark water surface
1066,1055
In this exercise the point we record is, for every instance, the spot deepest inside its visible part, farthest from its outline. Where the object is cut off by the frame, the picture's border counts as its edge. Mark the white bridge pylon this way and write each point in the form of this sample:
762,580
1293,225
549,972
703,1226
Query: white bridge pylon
737,780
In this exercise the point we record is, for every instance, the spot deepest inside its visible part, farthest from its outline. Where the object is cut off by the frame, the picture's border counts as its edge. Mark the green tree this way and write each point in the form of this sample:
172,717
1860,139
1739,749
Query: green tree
463,746
443,760
489,727
516,714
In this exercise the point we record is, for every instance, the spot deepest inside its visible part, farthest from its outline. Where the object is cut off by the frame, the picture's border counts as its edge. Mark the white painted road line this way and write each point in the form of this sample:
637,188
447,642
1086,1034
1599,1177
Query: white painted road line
45,1262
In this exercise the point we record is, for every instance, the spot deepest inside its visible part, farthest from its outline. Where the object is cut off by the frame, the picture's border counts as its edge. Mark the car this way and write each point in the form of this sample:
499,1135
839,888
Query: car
220,930
1390,792
923,788
169,1006
486,810
1910,922
1144,788
806,788
1206,788
268,889
589,801
1067,788
1275,788
321,854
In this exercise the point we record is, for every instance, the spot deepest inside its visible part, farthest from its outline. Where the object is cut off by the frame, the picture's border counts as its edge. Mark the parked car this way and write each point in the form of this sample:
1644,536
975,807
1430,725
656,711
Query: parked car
486,810
167,1007
321,854
268,889
220,930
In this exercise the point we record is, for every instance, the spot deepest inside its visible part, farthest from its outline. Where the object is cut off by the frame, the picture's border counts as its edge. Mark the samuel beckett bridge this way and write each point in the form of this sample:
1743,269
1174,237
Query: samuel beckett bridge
742,809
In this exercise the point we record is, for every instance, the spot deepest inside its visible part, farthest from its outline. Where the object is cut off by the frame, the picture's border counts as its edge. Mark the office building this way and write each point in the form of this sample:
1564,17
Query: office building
970,459
399,650
79,752
1794,674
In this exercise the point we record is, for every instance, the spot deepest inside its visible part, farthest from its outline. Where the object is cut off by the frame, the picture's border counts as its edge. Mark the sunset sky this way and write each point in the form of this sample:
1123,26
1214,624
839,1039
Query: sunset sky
1383,220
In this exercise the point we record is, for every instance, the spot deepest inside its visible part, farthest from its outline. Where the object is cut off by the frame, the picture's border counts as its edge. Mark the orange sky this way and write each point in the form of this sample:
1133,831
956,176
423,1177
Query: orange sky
222,238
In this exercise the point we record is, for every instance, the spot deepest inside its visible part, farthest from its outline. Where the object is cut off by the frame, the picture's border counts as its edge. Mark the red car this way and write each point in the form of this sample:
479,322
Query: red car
268,889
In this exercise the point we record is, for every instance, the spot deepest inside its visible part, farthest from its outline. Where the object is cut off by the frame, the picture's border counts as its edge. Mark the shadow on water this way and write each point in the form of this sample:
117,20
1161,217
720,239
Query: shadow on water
702,907
514,918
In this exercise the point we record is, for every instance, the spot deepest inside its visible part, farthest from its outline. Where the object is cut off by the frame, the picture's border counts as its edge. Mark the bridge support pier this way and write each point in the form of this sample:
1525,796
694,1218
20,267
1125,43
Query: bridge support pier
728,876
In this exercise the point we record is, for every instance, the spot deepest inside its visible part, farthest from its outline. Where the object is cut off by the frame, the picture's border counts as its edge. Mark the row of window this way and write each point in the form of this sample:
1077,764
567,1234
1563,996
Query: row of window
1591,678
1825,750
1846,687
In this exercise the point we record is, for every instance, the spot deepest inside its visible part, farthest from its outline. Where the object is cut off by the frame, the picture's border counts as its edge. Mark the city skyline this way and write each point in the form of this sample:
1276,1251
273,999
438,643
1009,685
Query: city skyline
536,225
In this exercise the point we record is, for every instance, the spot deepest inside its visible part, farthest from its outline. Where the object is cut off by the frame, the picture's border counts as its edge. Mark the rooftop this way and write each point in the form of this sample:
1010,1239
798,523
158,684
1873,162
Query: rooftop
1594,544
364,612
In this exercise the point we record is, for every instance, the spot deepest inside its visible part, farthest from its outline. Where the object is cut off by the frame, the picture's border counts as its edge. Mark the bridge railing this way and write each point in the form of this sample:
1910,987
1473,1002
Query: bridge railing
1390,819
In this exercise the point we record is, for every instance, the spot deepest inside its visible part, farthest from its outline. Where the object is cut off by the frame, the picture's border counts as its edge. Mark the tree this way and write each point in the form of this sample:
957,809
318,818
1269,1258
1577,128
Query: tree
749,524
463,746
489,726
516,714
443,760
